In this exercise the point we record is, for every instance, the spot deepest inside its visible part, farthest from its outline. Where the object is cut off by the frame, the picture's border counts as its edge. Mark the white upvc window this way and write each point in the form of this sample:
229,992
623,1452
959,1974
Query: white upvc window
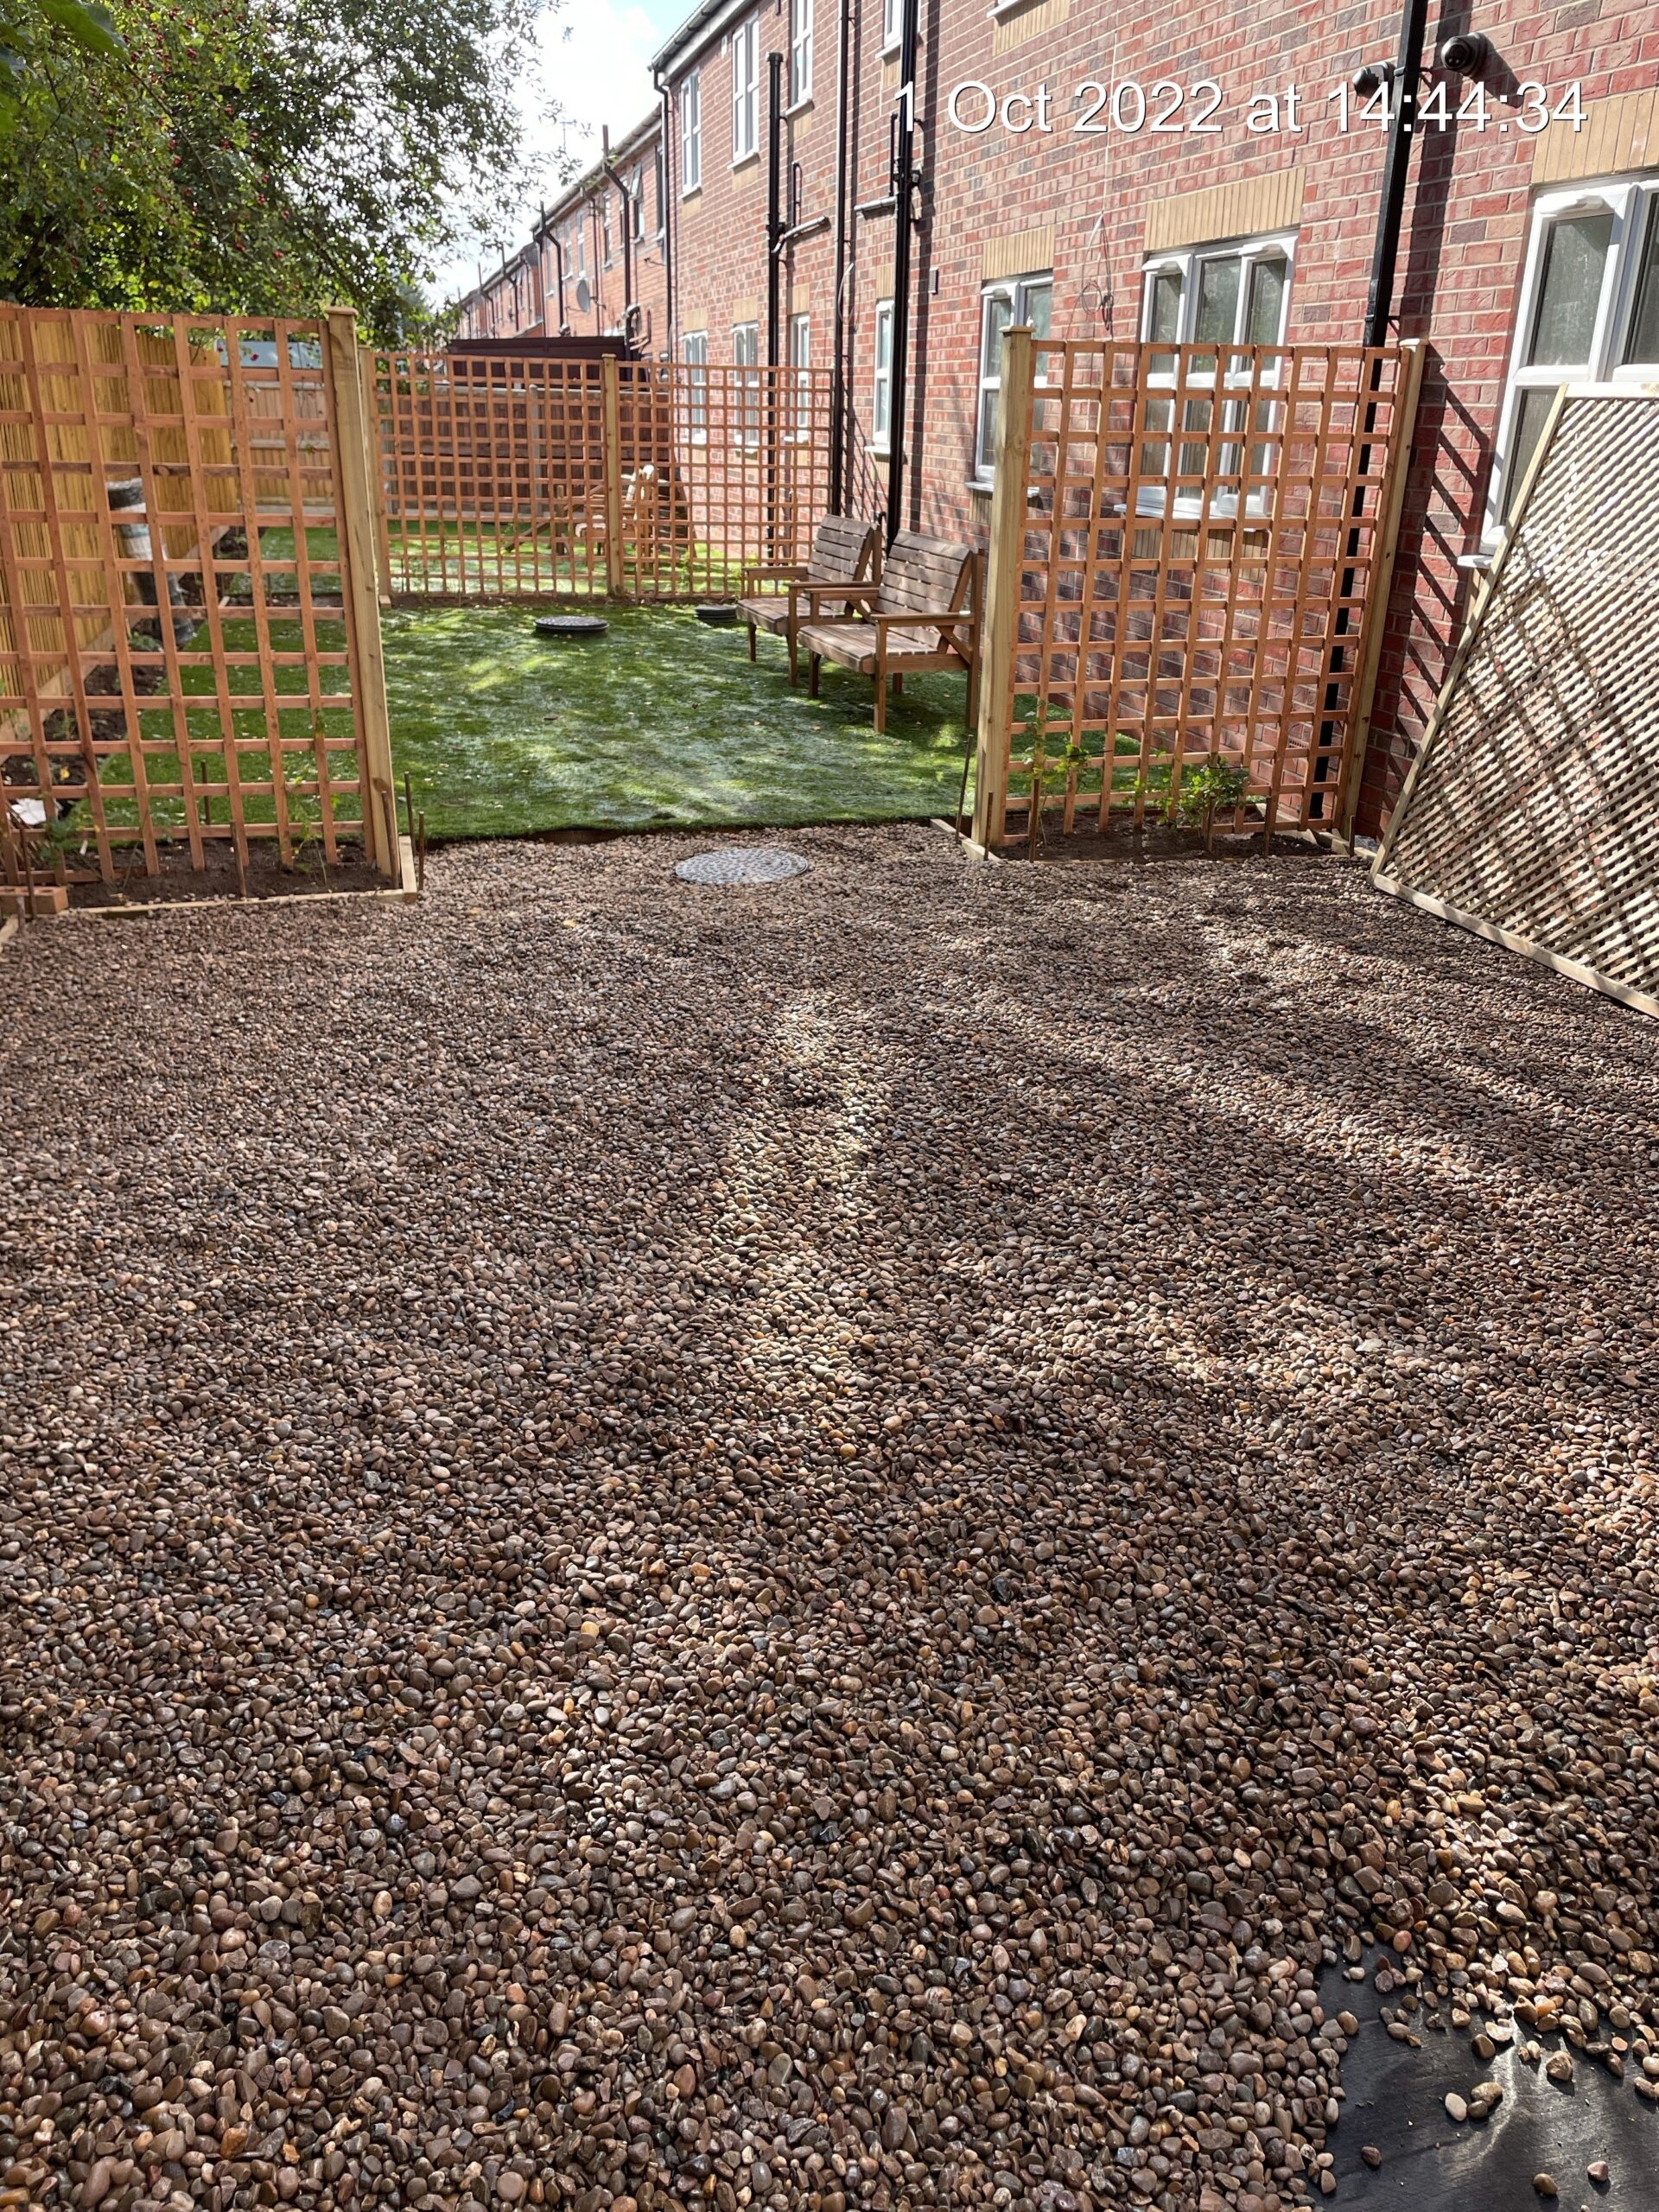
694,352
1015,299
800,362
745,355
691,132
746,91
881,382
1233,293
1589,310
800,51
892,23
637,202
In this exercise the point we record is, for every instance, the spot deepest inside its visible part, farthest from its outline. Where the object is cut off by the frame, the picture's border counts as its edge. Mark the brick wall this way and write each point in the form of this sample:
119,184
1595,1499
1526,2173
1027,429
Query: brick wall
1090,204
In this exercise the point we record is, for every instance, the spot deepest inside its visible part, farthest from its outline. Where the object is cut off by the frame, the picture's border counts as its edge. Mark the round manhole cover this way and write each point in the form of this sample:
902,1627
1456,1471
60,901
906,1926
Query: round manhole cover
742,864
571,626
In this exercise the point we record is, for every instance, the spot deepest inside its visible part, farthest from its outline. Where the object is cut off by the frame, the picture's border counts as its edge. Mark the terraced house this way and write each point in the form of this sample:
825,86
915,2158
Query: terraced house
1090,169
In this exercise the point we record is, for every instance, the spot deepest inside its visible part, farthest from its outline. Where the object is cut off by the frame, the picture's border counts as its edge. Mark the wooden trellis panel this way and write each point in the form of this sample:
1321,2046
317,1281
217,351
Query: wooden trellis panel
504,476
1531,814
1198,570
179,653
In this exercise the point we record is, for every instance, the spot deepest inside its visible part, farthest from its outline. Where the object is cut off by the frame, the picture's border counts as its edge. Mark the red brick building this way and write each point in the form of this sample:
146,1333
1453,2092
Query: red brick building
596,262
1157,172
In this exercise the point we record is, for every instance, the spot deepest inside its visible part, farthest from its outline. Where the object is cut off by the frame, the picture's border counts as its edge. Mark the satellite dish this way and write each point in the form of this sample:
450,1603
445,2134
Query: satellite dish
584,294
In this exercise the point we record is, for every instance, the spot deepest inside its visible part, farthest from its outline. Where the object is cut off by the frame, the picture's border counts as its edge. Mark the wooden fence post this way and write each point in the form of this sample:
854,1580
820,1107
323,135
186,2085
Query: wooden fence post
611,382
1001,616
1380,583
355,523
368,375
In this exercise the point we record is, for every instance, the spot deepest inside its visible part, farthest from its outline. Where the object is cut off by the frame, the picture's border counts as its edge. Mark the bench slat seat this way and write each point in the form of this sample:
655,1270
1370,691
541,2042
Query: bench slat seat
845,551
923,616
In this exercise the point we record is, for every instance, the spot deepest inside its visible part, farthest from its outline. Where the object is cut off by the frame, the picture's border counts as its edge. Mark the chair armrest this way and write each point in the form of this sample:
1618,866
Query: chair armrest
759,572
926,618
812,593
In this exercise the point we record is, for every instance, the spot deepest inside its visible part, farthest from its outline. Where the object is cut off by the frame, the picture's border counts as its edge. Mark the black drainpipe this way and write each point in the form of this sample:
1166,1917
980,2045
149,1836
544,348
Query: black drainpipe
775,225
903,187
838,367
1401,90
665,217
622,194
1402,131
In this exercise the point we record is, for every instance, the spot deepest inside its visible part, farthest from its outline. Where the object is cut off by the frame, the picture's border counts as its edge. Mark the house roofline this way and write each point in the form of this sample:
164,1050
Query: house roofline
698,30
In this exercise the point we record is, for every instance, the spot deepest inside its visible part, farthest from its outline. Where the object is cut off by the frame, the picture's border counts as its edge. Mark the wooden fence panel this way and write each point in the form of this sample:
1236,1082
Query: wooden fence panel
1201,554
179,666
504,476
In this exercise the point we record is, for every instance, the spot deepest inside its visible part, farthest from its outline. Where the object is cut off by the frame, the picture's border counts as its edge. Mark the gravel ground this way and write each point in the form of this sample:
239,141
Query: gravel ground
809,1548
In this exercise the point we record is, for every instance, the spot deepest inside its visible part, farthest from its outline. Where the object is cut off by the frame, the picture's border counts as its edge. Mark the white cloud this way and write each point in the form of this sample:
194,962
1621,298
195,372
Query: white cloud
592,65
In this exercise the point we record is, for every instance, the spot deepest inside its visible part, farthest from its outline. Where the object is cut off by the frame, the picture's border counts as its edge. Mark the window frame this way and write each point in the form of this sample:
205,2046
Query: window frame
800,52
694,353
691,133
880,439
746,93
800,362
1015,291
746,414
893,26
1249,251
1632,200
1266,245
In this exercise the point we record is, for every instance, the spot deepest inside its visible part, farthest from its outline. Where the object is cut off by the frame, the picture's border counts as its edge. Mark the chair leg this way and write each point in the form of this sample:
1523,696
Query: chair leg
881,704
812,679
794,662
973,691
898,685
751,641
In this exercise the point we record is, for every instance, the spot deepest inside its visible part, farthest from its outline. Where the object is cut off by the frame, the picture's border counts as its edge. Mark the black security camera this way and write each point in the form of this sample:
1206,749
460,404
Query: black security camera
1468,55
1373,78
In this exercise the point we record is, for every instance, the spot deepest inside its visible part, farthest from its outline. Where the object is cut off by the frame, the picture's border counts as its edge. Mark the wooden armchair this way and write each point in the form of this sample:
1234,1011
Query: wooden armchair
845,551
923,614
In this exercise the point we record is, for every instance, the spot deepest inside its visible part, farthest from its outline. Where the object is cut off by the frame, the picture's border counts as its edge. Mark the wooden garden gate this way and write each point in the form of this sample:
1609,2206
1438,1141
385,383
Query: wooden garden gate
190,632
1191,551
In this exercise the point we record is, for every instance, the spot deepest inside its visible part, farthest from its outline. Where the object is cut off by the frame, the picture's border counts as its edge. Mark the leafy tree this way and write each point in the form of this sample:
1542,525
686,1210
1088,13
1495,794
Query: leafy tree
255,156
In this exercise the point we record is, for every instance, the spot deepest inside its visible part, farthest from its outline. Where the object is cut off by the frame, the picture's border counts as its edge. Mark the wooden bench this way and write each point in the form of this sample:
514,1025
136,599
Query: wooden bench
923,614
844,552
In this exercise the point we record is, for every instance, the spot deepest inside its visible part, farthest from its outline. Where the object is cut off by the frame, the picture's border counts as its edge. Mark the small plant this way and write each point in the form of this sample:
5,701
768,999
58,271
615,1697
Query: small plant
1214,789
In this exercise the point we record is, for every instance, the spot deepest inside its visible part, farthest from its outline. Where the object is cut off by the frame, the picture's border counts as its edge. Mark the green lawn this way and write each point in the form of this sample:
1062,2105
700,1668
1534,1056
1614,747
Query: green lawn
664,721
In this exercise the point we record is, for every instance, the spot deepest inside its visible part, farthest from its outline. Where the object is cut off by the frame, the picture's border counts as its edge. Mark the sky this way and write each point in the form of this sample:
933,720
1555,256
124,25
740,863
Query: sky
592,62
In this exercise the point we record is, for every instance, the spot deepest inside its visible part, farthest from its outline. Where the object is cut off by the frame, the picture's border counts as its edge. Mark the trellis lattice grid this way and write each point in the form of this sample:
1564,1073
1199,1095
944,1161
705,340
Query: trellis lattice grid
508,476
1204,535
178,666
1531,815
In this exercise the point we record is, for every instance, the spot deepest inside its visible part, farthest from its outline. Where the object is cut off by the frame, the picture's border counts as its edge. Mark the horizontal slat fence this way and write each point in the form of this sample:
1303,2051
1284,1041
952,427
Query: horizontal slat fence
1196,571
506,477
179,658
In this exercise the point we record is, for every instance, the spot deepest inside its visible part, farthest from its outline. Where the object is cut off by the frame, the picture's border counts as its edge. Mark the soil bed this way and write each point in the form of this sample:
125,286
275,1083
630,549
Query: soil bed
181,881
820,1545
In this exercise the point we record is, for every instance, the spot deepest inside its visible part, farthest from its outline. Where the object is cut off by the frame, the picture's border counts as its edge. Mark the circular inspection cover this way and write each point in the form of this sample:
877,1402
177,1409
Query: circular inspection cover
742,864
570,627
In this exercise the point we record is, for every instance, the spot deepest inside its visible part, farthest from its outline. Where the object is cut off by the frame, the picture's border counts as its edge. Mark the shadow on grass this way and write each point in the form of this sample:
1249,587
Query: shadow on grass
662,722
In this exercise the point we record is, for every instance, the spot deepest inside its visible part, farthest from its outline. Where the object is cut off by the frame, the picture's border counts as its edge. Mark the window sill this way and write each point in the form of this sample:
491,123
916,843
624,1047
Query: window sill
797,108
744,160
692,191
1479,562
879,453
1000,9
890,49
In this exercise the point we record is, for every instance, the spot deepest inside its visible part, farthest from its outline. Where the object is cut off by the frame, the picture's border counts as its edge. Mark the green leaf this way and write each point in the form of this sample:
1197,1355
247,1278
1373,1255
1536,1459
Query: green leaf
84,20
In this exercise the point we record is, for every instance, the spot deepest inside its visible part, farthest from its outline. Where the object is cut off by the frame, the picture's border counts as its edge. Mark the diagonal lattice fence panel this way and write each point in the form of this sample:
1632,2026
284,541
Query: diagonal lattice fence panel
510,476
1531,815
1198,574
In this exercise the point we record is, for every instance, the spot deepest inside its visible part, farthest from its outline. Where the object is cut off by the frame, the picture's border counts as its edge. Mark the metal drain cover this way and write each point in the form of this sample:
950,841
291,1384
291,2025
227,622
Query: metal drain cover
742,864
